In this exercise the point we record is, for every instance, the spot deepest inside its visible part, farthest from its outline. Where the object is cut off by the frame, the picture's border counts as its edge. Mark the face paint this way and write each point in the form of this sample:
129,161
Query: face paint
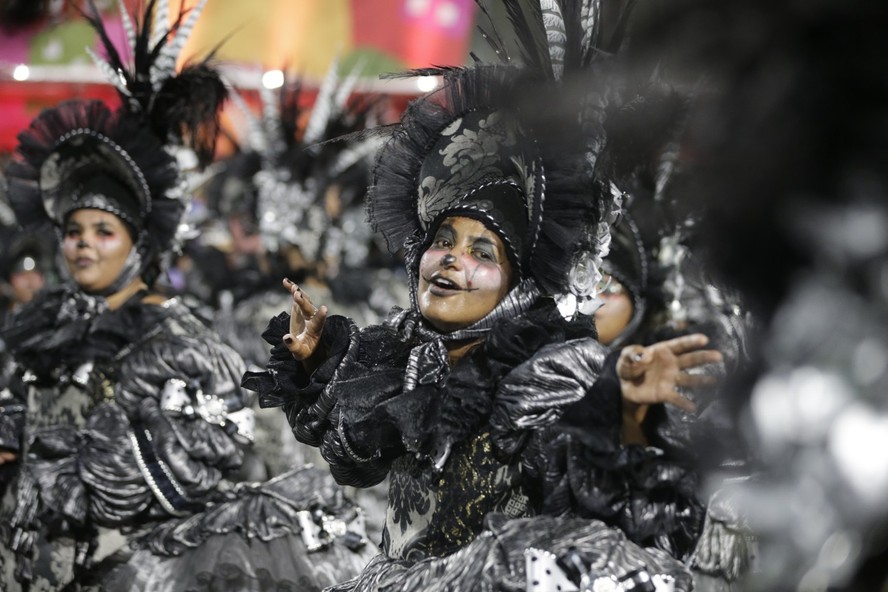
463,275
95,246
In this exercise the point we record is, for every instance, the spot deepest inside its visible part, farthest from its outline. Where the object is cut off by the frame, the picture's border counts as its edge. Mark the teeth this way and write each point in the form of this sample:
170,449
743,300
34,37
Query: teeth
445,283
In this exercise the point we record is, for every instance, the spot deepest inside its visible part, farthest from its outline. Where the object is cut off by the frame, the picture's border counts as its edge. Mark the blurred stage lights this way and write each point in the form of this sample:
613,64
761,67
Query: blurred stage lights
21,72
427,83
273,79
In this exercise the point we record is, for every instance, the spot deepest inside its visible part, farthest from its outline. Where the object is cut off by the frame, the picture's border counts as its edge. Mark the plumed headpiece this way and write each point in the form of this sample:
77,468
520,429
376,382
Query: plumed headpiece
82,154
286,167
513,146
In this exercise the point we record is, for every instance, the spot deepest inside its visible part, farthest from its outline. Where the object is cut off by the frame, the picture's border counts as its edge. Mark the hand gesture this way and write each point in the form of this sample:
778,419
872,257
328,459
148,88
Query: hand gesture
306,324
654,374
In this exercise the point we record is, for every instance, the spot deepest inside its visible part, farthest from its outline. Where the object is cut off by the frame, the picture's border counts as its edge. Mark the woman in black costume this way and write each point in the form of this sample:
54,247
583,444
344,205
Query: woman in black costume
499,423
126,416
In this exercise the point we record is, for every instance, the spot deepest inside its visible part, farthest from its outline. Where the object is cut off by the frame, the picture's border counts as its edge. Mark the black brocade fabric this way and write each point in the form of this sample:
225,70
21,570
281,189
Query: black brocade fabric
541,387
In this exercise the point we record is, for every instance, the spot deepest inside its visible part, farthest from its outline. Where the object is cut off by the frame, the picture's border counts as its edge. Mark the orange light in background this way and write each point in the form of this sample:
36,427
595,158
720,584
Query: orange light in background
302,36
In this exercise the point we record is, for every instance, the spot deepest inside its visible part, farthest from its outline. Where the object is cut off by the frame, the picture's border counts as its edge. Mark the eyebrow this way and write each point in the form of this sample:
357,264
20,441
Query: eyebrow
482,239
99,224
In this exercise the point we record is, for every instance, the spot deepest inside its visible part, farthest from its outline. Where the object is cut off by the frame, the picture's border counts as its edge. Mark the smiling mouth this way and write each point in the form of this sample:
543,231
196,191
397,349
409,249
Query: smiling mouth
442,286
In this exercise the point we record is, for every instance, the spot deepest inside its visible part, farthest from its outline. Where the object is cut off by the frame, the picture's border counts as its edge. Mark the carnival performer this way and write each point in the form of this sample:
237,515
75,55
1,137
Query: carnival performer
791,140
131,416
498,421
293,200
655,288
24,267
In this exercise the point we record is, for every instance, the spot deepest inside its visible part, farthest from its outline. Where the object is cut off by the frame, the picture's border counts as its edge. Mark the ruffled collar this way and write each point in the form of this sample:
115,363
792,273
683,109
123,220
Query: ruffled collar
442,405
411,325
64,328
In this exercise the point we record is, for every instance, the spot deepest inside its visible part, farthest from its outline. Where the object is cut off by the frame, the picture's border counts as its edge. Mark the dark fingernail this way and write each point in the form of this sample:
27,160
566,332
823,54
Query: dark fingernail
288,340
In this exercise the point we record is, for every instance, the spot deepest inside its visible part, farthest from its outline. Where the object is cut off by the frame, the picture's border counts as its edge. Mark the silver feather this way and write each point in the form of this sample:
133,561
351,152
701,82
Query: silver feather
255,135
161,22
323,106
165,65
590,14
348,158
109,73
348,85
556,35
271,124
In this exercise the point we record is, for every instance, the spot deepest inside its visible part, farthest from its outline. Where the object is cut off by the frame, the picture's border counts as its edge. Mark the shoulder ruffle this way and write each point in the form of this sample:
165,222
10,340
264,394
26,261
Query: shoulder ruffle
179,388
304,500
286,383
536,393
544,550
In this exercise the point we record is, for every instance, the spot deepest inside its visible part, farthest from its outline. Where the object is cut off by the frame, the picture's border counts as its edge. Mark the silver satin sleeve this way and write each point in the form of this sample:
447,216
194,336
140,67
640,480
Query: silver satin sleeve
193,452
535,393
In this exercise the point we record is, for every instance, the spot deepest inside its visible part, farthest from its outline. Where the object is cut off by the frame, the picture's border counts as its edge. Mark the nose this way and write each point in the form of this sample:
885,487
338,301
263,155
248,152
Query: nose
81,243
448,260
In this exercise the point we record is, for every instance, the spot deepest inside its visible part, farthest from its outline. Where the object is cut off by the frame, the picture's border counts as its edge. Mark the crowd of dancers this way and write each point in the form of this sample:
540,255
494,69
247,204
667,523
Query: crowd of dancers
606,311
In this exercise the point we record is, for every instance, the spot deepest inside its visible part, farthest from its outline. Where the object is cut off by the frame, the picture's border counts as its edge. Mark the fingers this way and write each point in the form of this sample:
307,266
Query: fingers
301,301
633,361
682,403
290,286
685,380
6,456
699,358
686,343
315,324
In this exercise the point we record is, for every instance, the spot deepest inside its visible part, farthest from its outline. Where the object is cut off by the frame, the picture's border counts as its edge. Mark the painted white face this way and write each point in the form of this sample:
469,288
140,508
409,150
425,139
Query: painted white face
96,244
463,275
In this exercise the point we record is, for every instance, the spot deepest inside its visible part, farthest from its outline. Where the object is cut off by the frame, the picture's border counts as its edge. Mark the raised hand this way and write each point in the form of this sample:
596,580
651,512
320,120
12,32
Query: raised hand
653,374
306,324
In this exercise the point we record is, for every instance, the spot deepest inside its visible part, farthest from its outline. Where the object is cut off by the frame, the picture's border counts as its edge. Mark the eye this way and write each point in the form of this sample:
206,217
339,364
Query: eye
71,233
442,243
105,232
482,255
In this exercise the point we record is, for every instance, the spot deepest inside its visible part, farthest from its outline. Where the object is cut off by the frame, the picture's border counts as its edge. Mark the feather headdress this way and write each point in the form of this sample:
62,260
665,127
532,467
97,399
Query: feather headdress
290,158
82,154
531,126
